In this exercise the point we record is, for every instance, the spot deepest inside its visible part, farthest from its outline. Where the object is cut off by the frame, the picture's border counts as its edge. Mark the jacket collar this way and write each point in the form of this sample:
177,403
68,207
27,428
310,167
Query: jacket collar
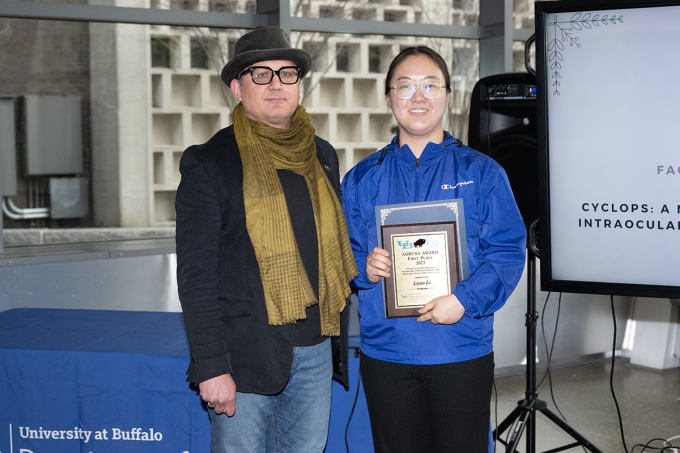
432,151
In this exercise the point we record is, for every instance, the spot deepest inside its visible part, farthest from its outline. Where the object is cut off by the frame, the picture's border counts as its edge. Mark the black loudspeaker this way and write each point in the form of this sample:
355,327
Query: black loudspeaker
503,126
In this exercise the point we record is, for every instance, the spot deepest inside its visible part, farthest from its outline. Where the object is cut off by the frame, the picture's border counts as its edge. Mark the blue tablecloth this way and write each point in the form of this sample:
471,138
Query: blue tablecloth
97,381
81,381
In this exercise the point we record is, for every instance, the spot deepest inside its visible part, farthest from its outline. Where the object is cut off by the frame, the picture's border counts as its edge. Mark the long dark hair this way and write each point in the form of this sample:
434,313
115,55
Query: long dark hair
418,50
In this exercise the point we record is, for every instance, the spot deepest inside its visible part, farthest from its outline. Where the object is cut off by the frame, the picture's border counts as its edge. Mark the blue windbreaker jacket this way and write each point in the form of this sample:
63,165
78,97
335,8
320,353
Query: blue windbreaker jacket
496,245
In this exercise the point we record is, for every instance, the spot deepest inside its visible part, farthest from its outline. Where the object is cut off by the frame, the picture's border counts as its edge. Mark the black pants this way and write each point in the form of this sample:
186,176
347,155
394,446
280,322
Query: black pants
429,408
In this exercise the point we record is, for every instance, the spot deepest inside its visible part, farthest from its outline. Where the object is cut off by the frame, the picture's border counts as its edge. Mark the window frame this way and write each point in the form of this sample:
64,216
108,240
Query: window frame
496,34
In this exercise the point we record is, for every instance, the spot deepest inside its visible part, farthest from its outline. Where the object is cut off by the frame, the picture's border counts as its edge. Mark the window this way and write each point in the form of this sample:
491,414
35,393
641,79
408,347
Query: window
342,59
373,59
140,109
160,52
199,56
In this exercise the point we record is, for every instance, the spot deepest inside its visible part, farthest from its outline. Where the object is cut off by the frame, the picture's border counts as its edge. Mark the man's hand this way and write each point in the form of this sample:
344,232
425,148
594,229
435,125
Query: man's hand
377,265
442,310
220,393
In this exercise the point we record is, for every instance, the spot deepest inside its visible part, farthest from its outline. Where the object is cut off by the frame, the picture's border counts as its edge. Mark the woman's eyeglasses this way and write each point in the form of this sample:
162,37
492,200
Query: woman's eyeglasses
430,90
262,75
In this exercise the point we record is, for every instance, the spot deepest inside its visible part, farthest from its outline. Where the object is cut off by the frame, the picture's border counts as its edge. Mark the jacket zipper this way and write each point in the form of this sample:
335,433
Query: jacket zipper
417,191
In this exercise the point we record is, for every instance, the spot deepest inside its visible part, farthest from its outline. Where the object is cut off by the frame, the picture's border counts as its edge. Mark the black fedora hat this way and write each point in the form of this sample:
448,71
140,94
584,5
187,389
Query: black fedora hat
261,44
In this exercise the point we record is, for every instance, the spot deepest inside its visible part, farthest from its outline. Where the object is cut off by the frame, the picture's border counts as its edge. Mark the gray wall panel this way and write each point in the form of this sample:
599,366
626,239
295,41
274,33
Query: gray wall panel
8,288
145,283
53,135
8,165
509,331
585,326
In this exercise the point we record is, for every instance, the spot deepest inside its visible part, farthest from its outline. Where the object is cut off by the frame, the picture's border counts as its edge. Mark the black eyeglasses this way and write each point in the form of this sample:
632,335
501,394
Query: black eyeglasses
262,75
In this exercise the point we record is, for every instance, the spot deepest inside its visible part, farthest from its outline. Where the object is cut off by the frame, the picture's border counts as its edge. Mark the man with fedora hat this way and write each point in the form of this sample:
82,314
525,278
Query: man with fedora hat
264,260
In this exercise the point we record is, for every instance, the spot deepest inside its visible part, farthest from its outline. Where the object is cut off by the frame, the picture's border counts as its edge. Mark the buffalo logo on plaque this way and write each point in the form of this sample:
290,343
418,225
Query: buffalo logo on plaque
427,246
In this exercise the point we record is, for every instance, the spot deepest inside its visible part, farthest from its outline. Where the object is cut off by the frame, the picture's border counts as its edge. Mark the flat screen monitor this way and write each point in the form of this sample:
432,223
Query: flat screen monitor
608,80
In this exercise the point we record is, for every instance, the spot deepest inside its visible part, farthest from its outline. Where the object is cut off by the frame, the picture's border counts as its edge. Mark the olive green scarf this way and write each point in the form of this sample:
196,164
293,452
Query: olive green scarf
287,289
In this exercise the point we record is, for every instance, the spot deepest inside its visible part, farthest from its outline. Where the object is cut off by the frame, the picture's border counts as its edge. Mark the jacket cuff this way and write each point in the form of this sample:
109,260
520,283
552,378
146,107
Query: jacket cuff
361,281
467,302
209,368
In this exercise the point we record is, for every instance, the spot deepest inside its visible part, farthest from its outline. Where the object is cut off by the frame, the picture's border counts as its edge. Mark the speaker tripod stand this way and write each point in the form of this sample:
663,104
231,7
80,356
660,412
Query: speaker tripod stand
525,413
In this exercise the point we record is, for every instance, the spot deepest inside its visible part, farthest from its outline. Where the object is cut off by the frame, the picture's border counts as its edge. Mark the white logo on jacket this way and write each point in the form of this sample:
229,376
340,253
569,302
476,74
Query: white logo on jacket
449,186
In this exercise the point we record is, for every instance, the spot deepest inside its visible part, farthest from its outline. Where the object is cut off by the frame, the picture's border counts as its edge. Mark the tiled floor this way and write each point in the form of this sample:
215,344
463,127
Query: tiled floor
649,402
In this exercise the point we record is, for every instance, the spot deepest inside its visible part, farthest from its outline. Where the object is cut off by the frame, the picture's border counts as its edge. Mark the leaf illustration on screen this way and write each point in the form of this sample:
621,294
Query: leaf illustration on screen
564,32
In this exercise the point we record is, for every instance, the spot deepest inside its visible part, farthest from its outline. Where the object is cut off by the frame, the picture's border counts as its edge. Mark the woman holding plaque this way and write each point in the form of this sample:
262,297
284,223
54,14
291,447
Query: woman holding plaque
428,377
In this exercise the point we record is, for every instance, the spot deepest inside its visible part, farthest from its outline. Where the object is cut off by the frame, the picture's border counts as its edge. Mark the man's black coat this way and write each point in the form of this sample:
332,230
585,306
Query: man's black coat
218,276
